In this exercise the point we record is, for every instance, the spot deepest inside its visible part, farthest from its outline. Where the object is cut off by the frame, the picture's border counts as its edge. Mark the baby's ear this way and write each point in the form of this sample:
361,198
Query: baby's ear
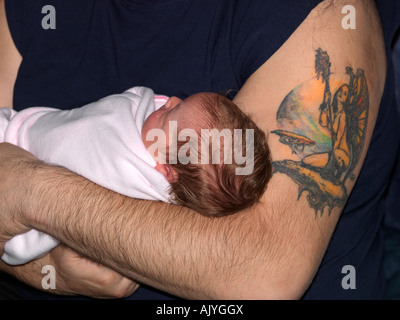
172,102
168,172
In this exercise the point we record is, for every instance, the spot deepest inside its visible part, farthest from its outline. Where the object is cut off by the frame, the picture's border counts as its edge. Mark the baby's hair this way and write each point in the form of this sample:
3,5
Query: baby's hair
216,189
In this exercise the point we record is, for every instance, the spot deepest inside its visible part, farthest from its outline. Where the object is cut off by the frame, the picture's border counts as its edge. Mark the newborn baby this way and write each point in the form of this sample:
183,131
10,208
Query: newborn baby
146,146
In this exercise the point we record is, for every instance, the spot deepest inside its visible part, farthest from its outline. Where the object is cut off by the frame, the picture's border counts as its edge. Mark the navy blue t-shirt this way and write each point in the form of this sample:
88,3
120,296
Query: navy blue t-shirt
179,47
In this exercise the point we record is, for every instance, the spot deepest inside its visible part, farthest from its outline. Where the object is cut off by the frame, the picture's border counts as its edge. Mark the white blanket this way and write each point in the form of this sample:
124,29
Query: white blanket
100,141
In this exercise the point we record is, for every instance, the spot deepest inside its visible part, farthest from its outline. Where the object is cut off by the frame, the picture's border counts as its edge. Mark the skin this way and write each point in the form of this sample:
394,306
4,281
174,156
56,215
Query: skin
160,118
174,110
269,252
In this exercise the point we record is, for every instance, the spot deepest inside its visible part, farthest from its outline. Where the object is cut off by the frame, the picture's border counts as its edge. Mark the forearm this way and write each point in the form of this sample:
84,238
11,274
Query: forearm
165,246
122,232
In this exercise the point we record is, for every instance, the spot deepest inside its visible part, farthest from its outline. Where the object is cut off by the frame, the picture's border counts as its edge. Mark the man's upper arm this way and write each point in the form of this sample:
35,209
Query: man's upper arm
10,59
315,163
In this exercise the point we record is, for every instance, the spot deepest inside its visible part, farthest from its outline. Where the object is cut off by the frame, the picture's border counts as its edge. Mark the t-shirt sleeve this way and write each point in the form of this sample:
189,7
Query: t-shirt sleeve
261,27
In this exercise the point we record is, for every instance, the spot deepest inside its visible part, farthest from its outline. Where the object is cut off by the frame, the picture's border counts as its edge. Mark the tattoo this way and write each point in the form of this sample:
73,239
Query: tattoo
328,136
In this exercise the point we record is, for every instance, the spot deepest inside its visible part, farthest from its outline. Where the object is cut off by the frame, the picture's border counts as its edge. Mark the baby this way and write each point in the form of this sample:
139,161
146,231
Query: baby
215,179
203,152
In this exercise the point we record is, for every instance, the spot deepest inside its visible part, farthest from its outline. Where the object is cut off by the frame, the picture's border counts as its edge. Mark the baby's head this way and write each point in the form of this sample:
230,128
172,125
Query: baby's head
214,156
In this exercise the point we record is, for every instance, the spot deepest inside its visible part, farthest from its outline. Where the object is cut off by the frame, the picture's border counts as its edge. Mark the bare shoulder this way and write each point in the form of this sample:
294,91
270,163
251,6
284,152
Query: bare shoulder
10,60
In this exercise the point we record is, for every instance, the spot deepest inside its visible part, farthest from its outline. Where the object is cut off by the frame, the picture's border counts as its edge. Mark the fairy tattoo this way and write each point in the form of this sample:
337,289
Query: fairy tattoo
328,142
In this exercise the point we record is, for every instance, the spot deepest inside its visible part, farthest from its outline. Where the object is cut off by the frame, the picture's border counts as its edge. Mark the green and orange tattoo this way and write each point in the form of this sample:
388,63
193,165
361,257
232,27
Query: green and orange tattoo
326,132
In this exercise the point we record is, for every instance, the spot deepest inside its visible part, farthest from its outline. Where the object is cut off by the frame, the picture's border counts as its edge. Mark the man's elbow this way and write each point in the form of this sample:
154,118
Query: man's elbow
288,286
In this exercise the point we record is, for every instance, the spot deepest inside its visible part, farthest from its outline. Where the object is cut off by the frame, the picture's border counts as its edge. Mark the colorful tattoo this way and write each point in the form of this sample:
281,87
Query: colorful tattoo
326,133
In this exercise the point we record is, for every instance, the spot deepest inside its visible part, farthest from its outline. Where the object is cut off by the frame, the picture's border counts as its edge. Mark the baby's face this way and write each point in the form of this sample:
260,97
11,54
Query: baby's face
174,110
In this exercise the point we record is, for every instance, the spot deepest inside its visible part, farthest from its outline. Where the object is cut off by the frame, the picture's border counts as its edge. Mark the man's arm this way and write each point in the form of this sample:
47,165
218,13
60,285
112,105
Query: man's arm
9,62
271,251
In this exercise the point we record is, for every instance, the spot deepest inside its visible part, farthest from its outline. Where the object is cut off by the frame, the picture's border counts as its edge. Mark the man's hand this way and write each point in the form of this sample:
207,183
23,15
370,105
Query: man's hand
75,275
79,275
